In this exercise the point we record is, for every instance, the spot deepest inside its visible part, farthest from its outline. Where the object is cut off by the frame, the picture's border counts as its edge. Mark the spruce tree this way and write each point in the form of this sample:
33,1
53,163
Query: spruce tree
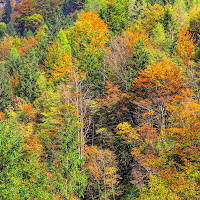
10,29
7,12
6,88
72,179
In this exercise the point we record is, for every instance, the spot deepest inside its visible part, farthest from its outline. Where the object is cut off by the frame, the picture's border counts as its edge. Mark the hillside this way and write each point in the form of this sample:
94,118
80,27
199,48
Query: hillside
99,99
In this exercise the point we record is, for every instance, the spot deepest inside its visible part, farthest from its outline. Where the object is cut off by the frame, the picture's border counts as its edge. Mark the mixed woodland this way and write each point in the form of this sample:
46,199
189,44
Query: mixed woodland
100,99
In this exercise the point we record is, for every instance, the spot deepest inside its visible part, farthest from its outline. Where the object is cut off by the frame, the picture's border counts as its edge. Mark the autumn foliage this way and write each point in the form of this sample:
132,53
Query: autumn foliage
99,99
185,46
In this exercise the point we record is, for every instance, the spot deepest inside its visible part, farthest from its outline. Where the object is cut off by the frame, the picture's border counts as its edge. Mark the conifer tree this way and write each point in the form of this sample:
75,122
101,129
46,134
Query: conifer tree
10,29
69,7
68,164
11,147
6,88
7,12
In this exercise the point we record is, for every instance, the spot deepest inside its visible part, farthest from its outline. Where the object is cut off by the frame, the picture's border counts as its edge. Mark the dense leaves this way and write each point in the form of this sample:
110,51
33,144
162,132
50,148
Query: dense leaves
99,99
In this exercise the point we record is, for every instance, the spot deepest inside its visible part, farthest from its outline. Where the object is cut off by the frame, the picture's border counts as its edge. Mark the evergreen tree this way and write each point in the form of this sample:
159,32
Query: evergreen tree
62,39
24,73
72,179
57,21
6,88
7,12
44,39
94,66
27,33
13,63
11,148
28,76
115,14
1,19
10,29
139,59
70,6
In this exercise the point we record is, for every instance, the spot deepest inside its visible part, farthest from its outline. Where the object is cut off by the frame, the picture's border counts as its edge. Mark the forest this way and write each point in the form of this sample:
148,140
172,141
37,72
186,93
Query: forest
99,99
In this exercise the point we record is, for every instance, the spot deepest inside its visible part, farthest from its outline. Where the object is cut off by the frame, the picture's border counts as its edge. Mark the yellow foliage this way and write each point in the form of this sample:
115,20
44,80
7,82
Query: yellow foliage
149,18
127,132
90,29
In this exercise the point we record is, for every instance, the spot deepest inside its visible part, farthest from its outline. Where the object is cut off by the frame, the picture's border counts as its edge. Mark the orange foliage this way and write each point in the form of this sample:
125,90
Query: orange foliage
91,28
15,81
58,64
13,3
27,44
33,145
142,138
162,81
28,109
156,87
7,43
101,168
113,95
185,46
2,116
27,8
178,161
131,37
22,45
65,67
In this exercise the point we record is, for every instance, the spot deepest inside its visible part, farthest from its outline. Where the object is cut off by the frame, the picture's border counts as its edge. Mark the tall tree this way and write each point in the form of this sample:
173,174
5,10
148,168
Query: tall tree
7,12
154,89
68,164
70,6
11,149
102,173
178,161
114,13
24,10
88,37
58,21
6,88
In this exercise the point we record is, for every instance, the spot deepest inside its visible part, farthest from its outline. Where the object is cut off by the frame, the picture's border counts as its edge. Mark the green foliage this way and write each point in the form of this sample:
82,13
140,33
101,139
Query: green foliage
28,76
24,73
10,29
130,192
114,13
58,21
62,39
139,60
2,28
94,66
58,62
6,88
93,4
11,147
168,21
72,179
157,190
159,33
44,38
34,22
13,62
